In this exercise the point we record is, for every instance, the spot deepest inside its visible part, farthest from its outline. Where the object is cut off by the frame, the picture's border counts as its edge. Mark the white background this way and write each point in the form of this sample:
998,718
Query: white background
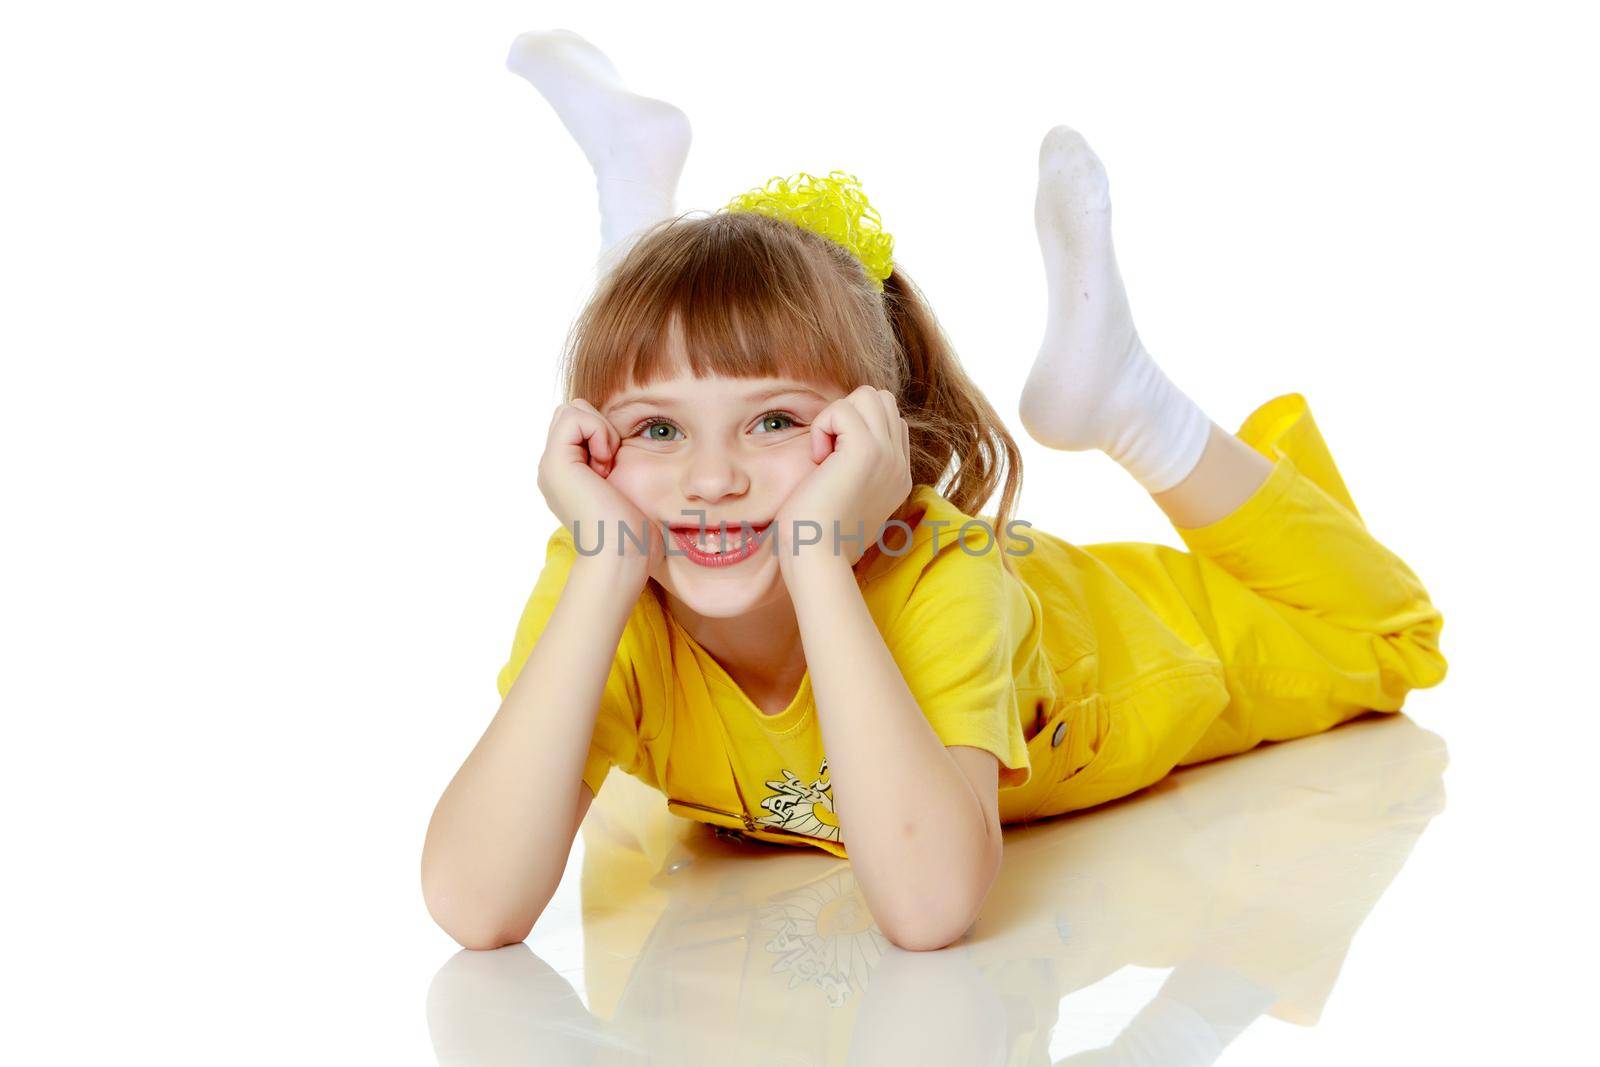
283,290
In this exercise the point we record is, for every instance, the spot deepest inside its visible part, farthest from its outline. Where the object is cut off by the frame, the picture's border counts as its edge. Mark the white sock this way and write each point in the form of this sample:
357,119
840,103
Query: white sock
636,144
1092,384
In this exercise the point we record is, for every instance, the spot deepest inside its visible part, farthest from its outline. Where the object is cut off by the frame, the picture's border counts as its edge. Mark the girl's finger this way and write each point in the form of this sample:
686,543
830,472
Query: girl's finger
825,432
611,437
897,425
890,408
853,421
568,429
869,406
836,420
587,436
557,422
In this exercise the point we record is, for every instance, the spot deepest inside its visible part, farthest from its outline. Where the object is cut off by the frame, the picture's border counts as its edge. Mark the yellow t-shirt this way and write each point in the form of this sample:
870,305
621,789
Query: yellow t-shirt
970,639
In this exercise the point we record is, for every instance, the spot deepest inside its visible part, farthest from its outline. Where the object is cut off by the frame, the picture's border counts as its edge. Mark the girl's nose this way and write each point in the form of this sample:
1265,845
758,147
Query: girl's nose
711,474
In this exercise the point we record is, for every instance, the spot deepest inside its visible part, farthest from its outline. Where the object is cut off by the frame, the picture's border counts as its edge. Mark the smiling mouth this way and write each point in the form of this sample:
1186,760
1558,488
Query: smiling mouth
725,544
713,530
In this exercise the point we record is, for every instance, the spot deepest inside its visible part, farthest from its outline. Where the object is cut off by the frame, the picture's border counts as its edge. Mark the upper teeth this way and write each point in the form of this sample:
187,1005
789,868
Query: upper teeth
712,541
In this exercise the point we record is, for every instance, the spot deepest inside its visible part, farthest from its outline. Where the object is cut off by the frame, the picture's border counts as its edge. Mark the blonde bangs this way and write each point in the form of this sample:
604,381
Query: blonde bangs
733,295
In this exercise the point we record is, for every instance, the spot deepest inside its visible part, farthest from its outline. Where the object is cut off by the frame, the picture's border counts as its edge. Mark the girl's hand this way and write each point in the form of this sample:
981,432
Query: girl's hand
579,455
863,447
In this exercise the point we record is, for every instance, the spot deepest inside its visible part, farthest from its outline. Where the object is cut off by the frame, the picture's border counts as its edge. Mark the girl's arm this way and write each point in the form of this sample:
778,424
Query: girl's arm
500,835
919,839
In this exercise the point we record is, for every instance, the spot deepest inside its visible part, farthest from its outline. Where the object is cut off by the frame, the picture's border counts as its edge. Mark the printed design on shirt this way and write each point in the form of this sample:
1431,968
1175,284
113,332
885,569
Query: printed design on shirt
800,808
824,937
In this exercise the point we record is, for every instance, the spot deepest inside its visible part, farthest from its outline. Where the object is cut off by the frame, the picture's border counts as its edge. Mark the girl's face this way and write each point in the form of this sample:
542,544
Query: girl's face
715,450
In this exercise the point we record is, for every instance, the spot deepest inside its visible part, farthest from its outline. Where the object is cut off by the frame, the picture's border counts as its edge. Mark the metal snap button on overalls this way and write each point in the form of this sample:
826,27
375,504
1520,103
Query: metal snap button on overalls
1061,731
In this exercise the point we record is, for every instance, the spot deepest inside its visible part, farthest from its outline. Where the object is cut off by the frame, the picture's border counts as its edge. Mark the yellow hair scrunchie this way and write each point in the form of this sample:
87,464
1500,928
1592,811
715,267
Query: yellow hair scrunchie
834,207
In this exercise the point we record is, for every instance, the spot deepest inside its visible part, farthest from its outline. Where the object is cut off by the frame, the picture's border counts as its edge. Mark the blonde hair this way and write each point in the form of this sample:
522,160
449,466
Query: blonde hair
753,296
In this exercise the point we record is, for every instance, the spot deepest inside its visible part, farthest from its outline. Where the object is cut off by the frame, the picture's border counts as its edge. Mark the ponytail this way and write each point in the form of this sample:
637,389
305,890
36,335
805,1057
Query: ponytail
951,422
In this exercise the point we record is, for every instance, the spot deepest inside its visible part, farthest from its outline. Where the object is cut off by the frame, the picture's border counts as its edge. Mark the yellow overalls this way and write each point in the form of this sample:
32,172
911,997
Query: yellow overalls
1285,618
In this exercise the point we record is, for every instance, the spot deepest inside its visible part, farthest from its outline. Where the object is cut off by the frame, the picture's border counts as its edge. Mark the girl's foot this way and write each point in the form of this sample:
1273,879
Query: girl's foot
1092,384
636,144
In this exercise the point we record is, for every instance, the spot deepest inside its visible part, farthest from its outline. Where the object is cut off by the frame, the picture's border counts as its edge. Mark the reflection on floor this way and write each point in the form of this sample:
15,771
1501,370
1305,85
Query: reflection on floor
1246,878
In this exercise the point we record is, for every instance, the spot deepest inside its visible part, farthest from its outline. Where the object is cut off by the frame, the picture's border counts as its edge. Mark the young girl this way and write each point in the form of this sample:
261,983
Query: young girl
868,660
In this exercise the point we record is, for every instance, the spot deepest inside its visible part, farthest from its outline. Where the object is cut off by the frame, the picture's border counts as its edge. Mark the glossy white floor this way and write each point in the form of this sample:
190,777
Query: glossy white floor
1316,901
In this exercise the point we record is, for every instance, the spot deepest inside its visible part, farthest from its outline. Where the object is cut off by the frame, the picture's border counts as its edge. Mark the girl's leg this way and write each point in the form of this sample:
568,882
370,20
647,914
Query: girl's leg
1093,385
1311,618
636,144
1228,473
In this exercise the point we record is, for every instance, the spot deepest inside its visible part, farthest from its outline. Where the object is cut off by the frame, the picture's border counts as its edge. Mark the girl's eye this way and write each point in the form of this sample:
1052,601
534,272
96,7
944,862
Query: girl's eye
782,415
649,426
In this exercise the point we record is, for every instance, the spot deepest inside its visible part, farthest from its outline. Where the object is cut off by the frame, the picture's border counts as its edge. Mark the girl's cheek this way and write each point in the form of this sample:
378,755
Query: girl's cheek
796,465
625,479
636,481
